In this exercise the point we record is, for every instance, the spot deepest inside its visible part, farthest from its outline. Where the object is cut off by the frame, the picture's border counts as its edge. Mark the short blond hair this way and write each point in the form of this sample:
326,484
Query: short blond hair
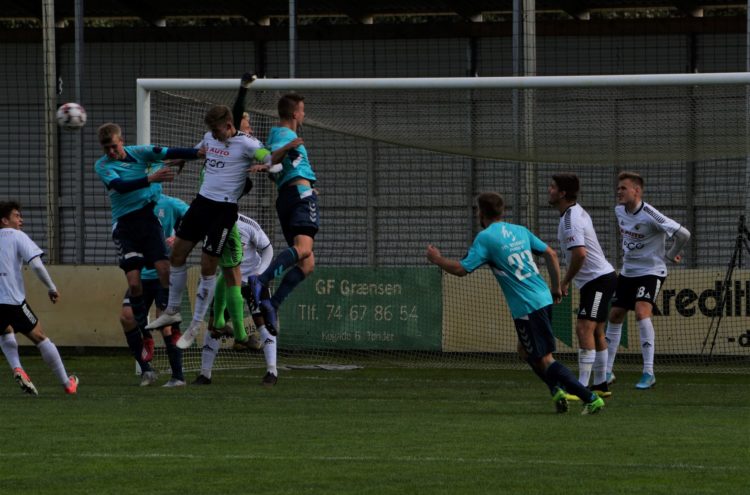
107,132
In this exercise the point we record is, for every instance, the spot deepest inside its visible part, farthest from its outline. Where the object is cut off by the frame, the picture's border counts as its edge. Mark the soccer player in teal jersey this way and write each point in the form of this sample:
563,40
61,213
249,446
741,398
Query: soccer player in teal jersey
131,175
169,211
296,207
509,251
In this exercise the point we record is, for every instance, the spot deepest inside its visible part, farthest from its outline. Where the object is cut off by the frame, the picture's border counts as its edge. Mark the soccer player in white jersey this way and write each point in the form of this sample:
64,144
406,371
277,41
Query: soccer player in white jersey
257,255
644,232
591,273
16,248
211,216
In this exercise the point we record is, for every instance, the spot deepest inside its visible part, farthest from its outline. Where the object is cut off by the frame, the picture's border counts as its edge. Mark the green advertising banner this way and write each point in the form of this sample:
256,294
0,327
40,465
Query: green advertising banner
366,308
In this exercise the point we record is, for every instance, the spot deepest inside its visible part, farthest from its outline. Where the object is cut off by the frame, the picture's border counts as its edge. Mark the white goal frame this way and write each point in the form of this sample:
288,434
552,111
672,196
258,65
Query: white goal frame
145,86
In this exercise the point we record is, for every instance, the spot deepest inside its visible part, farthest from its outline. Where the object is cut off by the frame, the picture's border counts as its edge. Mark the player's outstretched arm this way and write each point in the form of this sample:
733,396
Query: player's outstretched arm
280,153
238,108
453,267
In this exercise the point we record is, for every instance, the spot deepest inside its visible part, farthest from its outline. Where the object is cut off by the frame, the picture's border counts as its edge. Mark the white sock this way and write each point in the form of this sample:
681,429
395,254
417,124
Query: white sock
269,349
614,332
53,360
9,345
208,353
647,344
600,367
177,283
585,363
204,297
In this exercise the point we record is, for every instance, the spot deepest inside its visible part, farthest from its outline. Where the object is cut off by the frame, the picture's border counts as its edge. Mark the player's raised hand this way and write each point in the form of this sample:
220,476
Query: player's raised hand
53,296
433,253
164,174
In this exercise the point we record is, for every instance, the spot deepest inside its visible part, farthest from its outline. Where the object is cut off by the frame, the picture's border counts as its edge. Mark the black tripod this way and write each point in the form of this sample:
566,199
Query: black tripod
743,239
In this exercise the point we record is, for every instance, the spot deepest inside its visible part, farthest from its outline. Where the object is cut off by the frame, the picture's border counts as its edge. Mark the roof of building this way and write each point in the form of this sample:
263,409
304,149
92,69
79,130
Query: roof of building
163,12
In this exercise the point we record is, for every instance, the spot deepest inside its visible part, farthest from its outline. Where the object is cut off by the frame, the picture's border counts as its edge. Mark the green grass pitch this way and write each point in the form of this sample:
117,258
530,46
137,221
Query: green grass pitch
368,431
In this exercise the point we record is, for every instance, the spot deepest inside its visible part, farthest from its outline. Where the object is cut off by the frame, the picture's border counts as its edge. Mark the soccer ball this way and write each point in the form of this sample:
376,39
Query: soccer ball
71,116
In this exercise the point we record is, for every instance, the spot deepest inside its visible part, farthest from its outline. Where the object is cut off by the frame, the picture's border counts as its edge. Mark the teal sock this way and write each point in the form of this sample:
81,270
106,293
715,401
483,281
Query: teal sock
284,260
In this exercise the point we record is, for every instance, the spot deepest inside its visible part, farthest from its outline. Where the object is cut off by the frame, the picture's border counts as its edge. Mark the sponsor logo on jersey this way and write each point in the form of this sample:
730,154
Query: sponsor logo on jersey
629,233
218,151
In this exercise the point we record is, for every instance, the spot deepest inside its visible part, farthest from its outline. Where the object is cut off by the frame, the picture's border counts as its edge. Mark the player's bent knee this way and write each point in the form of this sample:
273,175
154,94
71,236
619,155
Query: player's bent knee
36,335
617,315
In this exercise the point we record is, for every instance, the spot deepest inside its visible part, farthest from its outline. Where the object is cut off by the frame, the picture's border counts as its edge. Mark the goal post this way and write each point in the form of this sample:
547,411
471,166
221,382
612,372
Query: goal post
401,160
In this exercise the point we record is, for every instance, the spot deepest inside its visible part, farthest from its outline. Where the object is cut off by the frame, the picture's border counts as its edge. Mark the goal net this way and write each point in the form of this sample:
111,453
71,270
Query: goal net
399,163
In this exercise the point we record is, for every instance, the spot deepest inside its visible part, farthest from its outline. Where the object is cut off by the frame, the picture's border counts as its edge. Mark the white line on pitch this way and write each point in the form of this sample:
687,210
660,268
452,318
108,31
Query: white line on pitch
410,459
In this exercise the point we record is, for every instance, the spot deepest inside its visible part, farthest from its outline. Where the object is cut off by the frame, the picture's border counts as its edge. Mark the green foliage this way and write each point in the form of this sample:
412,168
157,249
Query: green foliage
370,431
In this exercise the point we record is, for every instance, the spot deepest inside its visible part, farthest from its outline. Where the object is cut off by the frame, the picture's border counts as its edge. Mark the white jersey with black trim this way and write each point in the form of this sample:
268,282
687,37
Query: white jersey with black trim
254,239
227,164
575,230
644,234
16,248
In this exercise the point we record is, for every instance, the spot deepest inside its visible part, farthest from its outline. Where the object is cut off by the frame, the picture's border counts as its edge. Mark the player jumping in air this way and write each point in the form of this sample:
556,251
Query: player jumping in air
296,207
132,175
211,216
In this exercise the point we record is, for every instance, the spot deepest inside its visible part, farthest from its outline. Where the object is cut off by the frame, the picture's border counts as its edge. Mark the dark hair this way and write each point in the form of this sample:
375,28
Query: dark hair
491,205
7,207
218,114
288,105
569,183
632,176
107,132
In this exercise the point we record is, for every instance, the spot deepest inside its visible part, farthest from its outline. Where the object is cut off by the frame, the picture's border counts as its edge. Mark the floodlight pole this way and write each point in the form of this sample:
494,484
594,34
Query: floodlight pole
747,110
524,64
78,160
50,134
292,39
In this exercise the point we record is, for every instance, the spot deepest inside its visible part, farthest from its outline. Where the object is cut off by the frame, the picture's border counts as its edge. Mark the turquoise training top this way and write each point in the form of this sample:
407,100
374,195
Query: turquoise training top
140,161
295,163
507,249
